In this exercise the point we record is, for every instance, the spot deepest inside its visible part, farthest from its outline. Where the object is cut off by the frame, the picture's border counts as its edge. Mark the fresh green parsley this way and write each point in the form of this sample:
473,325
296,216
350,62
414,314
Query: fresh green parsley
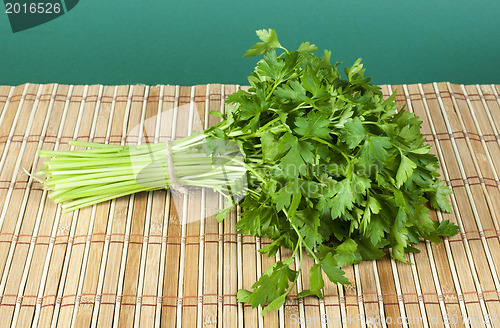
333,171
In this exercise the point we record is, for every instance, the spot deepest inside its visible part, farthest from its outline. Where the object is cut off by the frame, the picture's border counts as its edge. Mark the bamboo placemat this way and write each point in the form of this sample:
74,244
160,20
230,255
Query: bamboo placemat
161,260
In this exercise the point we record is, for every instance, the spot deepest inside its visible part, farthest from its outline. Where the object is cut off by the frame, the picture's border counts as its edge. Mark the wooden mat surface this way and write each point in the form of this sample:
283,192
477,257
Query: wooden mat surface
161,260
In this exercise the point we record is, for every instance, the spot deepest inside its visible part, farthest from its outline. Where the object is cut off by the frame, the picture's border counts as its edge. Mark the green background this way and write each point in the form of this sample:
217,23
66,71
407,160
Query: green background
196,42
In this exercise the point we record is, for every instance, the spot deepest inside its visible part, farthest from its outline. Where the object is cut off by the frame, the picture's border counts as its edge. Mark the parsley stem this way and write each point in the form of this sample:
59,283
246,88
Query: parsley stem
301,239
243,135
251,169
299,246
284,49
263,128
331,146
272,90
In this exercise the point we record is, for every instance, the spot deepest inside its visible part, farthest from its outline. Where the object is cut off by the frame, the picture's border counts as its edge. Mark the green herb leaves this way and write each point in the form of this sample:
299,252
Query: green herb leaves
297,154
341,174
269,42
313,125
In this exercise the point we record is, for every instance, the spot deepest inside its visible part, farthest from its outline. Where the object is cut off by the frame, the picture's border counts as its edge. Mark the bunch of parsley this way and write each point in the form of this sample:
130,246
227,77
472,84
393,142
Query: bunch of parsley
336,172
331,168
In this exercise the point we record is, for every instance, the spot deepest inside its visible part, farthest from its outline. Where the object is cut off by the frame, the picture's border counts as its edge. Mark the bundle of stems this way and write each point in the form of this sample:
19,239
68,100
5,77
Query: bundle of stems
80,178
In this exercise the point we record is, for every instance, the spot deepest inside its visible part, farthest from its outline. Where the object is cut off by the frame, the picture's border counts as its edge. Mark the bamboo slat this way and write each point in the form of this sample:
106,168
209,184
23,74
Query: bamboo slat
151,247
161,259
208,286
117,103
81,232
432,273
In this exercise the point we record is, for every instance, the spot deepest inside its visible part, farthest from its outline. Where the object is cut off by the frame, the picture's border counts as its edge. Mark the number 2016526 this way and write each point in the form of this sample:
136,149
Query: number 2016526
32,8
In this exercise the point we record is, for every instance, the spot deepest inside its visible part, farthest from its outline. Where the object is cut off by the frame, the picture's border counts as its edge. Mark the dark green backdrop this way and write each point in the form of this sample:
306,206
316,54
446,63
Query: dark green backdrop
195,42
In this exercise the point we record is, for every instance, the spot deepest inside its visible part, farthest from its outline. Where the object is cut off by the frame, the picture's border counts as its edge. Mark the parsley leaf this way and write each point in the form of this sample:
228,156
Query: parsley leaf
333,270
438,196
298,154
343,199
353,133
269,42
313,125
405,170
446,228
271,285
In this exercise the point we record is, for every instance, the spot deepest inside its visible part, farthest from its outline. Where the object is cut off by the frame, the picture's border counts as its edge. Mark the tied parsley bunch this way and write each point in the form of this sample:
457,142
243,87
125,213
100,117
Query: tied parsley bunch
327,168
341,174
